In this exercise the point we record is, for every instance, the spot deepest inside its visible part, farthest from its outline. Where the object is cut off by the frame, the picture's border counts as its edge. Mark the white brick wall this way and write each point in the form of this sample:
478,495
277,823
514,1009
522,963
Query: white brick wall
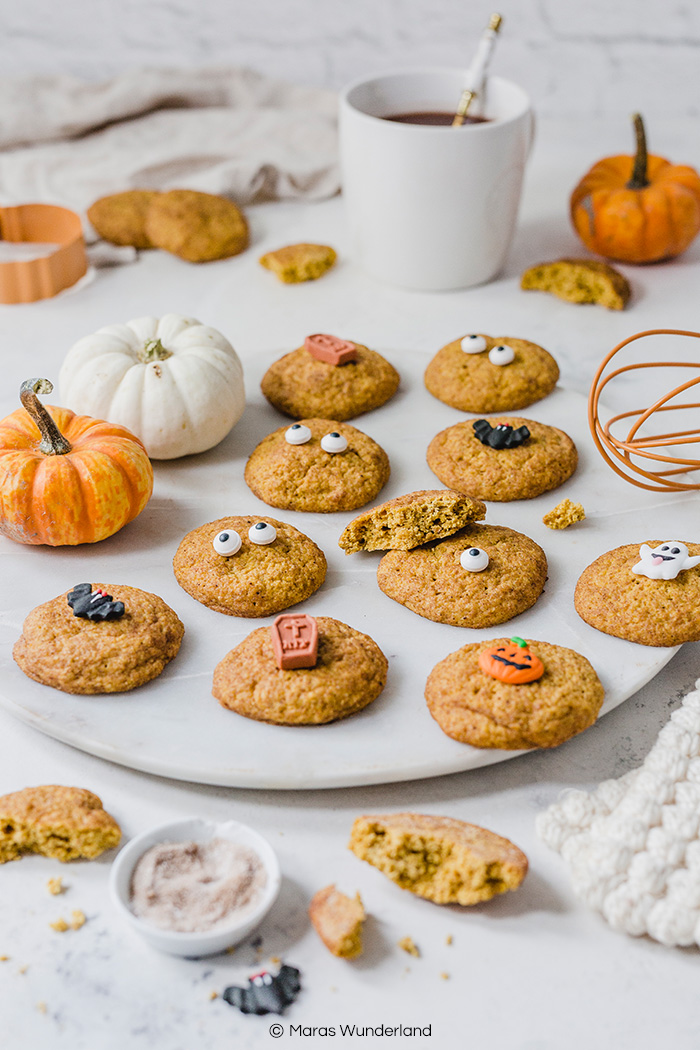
587,57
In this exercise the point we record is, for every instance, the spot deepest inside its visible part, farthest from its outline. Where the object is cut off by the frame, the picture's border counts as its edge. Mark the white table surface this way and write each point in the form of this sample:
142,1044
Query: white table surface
533,970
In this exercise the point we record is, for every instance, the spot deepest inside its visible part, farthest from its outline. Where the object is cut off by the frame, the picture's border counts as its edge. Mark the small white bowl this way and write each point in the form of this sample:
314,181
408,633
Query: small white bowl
194,829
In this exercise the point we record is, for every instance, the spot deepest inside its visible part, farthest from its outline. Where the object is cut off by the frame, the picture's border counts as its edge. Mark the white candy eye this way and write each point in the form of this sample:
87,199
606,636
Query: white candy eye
334,442
501,355
474,559
227,543
297,434
473,344
262,533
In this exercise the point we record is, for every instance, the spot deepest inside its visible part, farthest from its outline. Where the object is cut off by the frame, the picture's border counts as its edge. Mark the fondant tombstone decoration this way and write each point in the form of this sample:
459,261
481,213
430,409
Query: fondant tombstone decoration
265,993
93,605
330,349
295,641
501,436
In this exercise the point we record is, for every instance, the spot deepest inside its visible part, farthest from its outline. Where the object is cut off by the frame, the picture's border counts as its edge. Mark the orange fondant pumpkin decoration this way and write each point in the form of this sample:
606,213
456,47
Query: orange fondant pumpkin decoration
639,209
511,662
67,479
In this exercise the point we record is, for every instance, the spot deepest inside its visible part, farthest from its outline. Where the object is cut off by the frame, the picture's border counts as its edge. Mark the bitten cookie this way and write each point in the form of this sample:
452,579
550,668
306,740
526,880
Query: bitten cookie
648,594
481,576
249,566
338,921
60,822
484,373
300,384
79,655
317,465
121,217
197,227
545,459
513,711
444,860
349,673
410,521
580,281
299,262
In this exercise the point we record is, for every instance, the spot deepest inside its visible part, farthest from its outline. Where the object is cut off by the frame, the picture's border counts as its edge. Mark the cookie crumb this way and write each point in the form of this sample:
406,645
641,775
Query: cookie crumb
448,939
231,950
564,514
22,969
4,958
275,960
406,944
60,925
296,263
445,976
55,886
78,919
41,1007
338,921
213,995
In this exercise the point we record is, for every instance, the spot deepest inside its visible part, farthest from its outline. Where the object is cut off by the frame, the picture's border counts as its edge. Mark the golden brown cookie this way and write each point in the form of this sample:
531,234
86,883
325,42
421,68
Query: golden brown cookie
60,822
121,217
564,514
545,460
338,921
614,599
439,858
349,674
444,581
299,262
300,385
305,476
197,227
410,521
484,373
258,577
83,656
471,706
580,281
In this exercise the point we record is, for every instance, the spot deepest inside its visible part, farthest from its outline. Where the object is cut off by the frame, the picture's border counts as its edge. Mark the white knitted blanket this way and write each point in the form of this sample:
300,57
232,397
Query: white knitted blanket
632,845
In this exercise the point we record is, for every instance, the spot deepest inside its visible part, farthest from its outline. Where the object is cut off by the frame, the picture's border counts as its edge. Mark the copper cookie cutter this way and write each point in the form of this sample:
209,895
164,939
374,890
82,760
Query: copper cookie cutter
646,449
25,281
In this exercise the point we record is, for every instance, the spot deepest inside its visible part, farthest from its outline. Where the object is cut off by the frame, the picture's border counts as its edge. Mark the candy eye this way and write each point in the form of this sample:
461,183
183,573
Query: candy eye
334,442
665,547
227,543
474,560
262,533
297,434
675,550
501,355
473,344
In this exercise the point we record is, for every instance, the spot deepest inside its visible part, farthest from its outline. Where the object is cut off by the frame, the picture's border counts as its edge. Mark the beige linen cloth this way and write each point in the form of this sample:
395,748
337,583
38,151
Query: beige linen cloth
227,131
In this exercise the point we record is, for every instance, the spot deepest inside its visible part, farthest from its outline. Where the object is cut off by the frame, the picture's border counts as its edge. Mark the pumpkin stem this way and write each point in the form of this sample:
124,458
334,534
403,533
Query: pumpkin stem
154,350
53,442
639,171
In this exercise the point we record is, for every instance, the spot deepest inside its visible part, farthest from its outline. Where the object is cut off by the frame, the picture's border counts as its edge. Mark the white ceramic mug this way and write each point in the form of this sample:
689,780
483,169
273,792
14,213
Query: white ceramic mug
430,207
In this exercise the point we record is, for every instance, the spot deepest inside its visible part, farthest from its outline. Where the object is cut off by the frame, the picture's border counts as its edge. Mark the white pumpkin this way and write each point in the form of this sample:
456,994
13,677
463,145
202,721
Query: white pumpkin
175,383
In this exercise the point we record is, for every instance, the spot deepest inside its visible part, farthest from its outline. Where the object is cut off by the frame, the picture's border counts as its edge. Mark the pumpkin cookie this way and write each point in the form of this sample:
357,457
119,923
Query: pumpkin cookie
121,217
317,465
349,673
444,860
299,262
580,281
338,921
302,384
197,227
648,594
481,576
249,566
494,466
409,521
484,373
60,822
515,710
82,642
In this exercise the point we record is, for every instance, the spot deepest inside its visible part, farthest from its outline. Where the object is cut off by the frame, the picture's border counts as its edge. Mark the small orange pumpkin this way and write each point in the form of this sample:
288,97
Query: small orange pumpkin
67,479
511,662
639,209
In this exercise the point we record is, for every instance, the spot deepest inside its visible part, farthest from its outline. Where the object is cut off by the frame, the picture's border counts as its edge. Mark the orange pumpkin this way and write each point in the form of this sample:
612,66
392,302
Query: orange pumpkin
639,209
67,479
511,662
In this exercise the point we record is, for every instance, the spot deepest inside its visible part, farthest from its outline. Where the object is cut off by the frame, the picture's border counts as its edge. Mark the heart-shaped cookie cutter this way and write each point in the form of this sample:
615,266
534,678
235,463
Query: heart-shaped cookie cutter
25,281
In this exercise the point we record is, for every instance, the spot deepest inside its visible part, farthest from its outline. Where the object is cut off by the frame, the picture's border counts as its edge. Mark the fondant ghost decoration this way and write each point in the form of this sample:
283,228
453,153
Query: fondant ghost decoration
664,562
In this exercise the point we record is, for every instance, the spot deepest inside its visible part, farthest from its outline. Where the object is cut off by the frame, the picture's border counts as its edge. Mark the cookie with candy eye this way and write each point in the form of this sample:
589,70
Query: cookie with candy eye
434,582
515,711
532,458
483,373
648,593
249,566
337,468
308,383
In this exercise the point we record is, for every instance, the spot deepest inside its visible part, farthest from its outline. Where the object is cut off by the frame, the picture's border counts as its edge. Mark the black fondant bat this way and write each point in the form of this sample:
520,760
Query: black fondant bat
501,436
265,993
93,605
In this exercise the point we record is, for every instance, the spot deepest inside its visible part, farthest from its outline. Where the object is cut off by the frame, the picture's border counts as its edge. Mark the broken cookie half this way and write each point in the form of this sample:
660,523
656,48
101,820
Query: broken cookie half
410,521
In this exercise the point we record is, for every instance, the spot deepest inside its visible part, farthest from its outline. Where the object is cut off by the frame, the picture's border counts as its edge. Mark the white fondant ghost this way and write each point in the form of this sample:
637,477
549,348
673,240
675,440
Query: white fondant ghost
665,561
